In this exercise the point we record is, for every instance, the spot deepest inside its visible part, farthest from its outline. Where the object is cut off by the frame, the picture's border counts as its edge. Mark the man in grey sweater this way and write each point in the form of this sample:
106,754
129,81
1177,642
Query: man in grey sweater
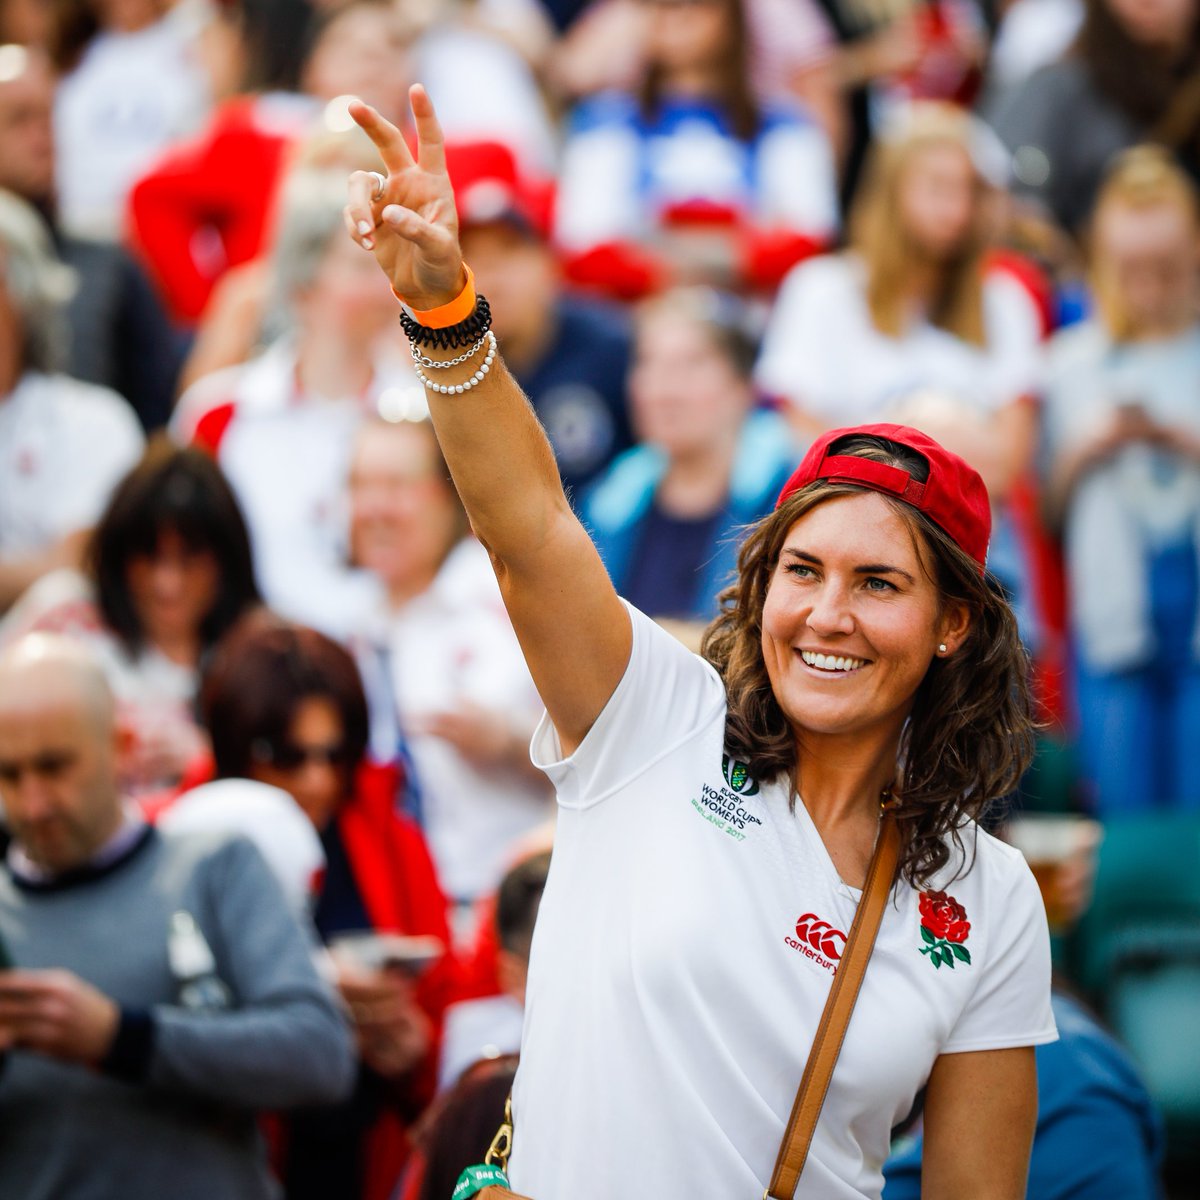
160,992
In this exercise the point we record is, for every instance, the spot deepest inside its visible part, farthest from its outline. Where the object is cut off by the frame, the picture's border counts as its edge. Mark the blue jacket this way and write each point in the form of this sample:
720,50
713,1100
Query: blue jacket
615,508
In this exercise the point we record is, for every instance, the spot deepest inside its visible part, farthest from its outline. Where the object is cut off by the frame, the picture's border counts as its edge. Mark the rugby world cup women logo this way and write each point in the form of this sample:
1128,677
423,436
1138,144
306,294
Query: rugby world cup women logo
944,928
737,776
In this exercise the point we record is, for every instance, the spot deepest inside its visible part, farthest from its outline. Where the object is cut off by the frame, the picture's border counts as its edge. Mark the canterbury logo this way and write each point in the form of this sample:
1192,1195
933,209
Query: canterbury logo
821,936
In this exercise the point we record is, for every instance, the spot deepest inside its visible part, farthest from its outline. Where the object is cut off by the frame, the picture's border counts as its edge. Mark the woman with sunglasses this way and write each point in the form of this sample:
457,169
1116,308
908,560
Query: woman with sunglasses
718,814
284,705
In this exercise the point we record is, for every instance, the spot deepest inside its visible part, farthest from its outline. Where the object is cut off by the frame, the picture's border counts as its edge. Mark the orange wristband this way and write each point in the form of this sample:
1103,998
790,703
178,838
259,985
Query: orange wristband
445,315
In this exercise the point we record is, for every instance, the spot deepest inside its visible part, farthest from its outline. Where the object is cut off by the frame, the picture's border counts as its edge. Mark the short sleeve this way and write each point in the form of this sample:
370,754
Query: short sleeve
1010,1005
666,696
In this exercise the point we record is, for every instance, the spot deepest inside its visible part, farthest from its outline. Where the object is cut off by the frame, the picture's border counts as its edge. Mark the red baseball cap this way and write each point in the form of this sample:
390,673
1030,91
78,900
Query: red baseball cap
953,497
490,188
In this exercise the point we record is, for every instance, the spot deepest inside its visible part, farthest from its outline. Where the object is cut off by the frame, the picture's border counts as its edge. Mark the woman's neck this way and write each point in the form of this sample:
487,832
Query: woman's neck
842,777
401,592
693,83
696,485
183,650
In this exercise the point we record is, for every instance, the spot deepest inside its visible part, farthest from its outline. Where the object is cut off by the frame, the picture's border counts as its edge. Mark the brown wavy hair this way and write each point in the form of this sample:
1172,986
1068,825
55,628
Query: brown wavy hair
969,736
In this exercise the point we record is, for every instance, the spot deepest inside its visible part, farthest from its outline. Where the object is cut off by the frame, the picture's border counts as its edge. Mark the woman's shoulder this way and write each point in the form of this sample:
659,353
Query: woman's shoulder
983,864
833,275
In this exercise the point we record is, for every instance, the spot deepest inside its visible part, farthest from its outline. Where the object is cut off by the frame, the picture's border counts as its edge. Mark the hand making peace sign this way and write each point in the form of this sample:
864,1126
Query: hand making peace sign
411,225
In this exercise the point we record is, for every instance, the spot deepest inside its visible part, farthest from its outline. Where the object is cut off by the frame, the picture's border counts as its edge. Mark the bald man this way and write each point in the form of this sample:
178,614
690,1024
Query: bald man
161,991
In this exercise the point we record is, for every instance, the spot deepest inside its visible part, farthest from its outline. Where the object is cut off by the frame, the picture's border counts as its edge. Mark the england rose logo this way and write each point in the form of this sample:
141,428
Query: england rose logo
944,928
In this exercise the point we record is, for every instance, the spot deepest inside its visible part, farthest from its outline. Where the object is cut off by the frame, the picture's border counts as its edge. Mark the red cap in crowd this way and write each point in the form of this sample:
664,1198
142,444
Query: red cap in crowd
953,497
490,188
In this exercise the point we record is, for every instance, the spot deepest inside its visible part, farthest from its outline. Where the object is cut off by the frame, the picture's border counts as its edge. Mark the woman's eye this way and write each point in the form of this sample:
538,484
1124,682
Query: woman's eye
799,570
875,584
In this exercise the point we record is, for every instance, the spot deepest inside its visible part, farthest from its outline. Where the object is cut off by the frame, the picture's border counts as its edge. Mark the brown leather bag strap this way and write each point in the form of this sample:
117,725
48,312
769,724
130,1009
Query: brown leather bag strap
836,1016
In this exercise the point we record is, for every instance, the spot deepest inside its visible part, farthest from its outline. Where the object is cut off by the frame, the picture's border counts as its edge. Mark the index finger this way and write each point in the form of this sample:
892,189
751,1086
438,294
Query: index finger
389,141
431,144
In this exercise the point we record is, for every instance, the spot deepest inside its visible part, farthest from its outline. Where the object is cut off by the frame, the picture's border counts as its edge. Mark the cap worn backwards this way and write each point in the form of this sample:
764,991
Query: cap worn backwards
953,497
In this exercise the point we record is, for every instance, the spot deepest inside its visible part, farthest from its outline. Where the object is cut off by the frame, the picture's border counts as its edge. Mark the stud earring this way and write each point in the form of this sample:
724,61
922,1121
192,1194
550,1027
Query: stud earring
942,648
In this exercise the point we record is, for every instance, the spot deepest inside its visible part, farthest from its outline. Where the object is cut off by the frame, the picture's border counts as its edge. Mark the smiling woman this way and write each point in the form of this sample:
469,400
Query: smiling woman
717,813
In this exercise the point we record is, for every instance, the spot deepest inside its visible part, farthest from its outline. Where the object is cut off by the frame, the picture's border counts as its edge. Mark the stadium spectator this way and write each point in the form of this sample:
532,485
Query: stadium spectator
119,334
482,60
167,572
915,323
285,706
63,444
791,50
135,77
207,204
1130,77
1122,430
687,176
491,1025
666,517
446,674
162,993
282,425
889,55
570,354
460,1128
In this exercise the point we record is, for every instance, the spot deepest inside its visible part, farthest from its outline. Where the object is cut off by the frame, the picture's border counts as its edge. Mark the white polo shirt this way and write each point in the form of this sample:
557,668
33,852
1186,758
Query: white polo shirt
684,950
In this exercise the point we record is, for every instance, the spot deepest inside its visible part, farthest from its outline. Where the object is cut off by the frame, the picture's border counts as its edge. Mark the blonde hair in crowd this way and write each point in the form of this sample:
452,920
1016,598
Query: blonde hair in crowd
890,254
1142,178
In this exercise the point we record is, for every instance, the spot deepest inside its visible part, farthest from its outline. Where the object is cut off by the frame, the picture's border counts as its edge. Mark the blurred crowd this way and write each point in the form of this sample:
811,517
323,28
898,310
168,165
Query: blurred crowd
709,230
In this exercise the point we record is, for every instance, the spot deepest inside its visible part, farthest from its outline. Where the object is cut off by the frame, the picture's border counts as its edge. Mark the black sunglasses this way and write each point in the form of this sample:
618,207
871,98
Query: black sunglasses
288,756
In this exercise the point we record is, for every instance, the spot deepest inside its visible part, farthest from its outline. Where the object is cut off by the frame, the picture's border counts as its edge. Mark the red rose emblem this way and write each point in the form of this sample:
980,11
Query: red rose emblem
944,917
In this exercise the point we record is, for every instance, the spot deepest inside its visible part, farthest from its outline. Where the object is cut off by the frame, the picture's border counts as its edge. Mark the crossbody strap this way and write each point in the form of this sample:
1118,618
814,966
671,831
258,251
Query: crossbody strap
836,1016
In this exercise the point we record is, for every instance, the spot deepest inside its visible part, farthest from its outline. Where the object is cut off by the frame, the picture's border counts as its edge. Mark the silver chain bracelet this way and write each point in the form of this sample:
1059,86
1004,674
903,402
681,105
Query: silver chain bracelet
475,380
435,364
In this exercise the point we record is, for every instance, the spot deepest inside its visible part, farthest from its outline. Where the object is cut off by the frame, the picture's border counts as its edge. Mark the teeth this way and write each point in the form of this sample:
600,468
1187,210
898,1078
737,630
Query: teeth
830,662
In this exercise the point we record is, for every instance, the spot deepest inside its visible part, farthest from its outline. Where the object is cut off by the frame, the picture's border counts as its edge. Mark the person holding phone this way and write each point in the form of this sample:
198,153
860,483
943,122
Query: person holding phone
1122,445
163,993
284,705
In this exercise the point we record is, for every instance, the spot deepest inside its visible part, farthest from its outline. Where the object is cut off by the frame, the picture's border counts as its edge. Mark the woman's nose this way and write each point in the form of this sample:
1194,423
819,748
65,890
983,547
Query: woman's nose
831,612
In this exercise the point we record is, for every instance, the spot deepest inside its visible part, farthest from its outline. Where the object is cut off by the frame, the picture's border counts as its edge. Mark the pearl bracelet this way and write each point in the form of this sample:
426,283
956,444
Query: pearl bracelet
475,380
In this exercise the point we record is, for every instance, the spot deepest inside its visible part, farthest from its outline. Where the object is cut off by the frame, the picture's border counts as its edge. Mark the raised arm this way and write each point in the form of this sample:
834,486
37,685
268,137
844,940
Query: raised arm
574,631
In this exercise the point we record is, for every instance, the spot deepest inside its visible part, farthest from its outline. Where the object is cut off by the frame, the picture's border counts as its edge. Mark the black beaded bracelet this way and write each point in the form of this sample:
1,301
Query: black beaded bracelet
452,337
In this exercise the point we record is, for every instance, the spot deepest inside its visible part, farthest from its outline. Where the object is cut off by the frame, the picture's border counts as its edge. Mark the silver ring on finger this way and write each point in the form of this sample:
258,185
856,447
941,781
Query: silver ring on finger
380,185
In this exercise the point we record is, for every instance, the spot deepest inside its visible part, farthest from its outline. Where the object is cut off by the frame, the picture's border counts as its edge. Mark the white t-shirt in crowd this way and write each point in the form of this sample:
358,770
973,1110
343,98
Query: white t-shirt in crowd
287,456
823,352
64,445
454,645
684,950
478,1029
130,97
